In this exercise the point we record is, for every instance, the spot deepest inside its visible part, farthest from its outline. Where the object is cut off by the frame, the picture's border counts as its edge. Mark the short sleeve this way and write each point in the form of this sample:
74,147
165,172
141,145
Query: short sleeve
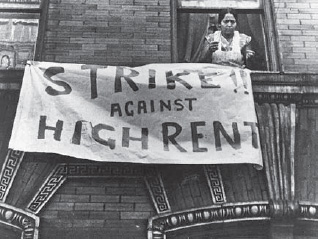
244,40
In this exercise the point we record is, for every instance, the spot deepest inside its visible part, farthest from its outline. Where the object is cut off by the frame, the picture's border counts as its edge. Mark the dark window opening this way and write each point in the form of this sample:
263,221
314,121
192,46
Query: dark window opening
193,21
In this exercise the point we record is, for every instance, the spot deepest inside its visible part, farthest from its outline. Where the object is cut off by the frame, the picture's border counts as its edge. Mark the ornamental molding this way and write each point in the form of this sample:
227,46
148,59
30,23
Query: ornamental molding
286,88
53,182
156,189
285,210
28,223
308,211
284,98
9,171
229,212
302,100
214,178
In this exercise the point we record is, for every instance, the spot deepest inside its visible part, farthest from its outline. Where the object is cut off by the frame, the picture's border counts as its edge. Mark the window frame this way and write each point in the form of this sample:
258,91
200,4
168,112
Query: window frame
269,30
21,8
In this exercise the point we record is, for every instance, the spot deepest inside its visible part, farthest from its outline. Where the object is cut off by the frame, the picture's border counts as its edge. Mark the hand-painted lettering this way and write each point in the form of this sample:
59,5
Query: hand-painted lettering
172,79
196,136
126,138
97,128
120,75
218,128
48,74
253,126
172,138
57,129
93,76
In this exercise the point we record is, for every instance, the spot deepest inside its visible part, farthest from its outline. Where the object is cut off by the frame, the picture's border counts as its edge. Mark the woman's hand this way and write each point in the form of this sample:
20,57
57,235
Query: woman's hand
213,46
249,53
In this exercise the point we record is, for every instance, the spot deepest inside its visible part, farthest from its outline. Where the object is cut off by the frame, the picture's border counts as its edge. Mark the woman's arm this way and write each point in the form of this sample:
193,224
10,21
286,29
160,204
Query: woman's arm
207,50
249,52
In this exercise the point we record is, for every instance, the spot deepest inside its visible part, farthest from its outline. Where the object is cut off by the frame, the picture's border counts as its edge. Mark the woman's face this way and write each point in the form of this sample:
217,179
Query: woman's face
228,24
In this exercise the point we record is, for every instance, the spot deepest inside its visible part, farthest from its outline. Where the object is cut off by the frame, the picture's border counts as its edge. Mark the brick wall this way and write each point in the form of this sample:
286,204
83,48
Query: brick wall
297,22
114,208
118,32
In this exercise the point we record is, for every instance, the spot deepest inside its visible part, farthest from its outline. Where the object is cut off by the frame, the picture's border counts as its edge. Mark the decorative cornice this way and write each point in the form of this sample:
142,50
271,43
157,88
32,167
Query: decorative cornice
9,171
296,79
286,88
227,212
284,209
232,212
308,211
100,170
26,222
284,98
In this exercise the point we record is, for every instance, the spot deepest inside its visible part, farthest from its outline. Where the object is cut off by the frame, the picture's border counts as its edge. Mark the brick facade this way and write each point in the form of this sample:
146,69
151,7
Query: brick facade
125,32
98,208
296,22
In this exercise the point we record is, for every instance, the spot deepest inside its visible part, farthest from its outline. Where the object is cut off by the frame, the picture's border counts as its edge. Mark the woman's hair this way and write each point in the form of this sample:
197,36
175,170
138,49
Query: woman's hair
223,12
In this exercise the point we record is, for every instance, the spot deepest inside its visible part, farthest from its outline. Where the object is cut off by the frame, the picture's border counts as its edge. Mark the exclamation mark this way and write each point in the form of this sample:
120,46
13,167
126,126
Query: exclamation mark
233,77
243,76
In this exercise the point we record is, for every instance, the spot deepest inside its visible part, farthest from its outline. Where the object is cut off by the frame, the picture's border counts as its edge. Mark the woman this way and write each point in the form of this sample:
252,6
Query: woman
227,46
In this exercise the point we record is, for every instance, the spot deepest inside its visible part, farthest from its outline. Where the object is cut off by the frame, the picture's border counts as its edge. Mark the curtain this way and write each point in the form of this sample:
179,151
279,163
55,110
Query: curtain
251,25
192,28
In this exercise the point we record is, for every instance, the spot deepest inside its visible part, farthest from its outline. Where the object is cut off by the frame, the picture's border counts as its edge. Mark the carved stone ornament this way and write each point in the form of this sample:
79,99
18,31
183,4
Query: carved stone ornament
283,210
156,189
28,223
159,225
214,178
9,171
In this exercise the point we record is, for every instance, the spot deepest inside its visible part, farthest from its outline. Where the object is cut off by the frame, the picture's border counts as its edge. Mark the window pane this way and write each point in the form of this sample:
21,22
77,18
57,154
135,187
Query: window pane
18,31
17,41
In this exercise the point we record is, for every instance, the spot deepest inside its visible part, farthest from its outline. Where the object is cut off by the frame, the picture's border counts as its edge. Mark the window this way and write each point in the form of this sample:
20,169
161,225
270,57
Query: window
19,27
193,19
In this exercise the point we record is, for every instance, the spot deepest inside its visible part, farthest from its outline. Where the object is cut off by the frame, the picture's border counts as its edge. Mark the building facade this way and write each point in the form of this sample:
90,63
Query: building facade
52,196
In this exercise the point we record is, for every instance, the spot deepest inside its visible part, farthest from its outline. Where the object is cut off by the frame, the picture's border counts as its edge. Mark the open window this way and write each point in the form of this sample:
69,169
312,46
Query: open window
19,28
192,20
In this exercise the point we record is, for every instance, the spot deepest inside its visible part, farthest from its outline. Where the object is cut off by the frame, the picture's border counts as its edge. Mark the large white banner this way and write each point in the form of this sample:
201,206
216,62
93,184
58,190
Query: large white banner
157,113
